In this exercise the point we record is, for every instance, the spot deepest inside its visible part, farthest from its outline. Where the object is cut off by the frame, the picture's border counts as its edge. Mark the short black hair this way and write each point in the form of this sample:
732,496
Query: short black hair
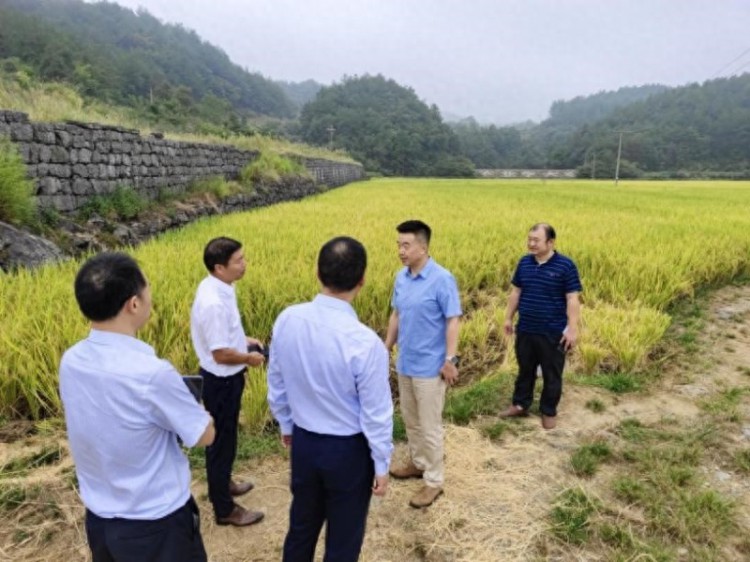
416,227
219,251
549,231
105,282
341,263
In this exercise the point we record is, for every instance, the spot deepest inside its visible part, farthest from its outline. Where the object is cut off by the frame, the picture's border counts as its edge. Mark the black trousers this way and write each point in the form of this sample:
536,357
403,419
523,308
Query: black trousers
543,350
222,397
332,481
173,538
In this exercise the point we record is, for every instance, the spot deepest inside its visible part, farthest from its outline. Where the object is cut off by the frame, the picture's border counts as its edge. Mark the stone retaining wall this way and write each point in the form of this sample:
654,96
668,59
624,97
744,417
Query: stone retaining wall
71,162
512,173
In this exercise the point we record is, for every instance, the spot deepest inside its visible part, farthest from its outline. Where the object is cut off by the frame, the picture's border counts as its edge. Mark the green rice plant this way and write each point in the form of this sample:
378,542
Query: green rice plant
621,239
255,410
17,204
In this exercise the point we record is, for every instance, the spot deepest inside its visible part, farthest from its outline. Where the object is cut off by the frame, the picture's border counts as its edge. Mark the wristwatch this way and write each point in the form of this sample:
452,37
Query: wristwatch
453,359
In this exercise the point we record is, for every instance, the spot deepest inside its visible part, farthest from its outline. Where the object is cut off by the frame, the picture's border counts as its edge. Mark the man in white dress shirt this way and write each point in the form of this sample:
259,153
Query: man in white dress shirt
222,348
124,409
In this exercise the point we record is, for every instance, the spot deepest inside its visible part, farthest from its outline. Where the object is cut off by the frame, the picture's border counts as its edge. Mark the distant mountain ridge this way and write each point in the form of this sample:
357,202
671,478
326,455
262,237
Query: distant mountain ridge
115,54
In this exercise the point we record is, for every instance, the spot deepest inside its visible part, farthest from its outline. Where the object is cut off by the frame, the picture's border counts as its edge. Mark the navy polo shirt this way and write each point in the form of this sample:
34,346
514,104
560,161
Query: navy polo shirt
542,308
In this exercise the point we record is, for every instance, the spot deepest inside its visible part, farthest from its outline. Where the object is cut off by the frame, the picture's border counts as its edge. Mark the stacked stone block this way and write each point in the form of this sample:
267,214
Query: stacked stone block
72,162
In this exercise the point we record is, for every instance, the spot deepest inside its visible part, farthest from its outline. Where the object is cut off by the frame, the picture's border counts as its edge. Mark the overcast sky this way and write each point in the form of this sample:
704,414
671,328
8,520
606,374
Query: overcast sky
500,61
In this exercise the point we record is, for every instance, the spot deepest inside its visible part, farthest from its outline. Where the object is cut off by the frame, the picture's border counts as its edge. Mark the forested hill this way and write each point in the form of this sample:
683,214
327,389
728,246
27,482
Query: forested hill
694,127
686,131
117,55
588,109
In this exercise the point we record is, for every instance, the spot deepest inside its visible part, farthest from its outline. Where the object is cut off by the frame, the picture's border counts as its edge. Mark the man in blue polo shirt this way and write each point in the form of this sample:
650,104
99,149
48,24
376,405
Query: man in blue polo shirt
425,324
124,410
328,388
545,293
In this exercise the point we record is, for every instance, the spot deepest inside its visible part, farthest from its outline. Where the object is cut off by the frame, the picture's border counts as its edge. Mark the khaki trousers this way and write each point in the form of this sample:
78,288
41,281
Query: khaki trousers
422,401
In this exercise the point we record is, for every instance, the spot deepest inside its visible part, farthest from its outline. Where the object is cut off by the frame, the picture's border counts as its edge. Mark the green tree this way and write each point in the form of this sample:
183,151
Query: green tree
385,126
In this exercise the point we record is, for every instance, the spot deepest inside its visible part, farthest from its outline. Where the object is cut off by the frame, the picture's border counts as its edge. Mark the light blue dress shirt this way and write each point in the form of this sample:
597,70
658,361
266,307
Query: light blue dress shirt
328,373
124,408
424,302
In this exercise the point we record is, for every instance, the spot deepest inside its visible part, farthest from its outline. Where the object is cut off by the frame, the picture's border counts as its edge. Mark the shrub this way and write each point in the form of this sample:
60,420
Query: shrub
270,167
17,203
122,203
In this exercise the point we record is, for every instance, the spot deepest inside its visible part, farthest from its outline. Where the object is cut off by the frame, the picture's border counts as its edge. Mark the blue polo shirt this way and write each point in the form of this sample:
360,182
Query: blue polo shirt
124,408
542,308
424,302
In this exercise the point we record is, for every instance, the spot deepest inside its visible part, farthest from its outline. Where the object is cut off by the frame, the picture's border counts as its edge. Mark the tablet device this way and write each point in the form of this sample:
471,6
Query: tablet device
195,385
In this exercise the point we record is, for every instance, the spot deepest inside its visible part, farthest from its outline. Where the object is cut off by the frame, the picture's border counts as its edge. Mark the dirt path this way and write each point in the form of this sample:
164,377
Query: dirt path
497,496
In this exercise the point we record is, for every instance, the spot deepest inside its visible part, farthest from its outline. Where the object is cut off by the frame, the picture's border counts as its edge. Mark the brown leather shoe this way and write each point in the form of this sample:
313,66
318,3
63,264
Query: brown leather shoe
549,422
425,497
237,489
513,411
240,517
406,471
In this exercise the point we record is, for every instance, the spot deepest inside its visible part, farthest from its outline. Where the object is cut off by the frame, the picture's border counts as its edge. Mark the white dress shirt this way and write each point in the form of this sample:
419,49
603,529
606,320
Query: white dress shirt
215,323
124,408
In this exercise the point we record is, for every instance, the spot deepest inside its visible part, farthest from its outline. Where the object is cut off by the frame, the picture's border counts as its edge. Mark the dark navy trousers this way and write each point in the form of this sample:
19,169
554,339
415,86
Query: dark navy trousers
331,482
173,538
542,350
222,397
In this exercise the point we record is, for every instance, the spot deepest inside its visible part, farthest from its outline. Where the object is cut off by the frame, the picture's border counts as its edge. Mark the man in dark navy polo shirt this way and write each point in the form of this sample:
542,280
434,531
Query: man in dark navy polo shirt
545,293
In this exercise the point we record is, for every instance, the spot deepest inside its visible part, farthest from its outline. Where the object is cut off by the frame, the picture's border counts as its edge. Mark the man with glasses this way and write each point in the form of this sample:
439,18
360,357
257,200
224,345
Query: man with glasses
545,293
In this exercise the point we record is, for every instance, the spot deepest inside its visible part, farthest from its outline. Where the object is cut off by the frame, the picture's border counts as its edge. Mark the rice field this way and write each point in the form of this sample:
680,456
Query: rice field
639,247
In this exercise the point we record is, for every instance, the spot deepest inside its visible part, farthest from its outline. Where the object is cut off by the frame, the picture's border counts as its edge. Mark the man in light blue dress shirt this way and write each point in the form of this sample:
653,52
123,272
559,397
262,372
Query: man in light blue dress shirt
124,410
328,389
425,324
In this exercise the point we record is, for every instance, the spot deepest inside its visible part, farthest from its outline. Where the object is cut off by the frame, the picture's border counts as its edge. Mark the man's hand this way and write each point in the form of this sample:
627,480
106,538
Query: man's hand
508,328
449,372
255,359
253,341
569,339
380,487
286,441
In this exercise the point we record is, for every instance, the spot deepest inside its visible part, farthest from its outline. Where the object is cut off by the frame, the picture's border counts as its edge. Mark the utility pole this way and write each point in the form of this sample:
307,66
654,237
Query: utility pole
619,151
617,166
331,129
593,167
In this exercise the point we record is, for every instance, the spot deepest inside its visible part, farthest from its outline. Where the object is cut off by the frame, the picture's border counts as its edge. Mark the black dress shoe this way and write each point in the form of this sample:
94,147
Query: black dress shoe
237,489
240,517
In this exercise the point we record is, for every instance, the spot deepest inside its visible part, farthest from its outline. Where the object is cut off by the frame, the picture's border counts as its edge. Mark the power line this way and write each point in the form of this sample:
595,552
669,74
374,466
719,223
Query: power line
731,62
